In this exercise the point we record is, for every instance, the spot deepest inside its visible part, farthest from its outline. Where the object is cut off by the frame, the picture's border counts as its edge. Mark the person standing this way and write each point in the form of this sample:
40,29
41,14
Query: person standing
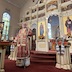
22,45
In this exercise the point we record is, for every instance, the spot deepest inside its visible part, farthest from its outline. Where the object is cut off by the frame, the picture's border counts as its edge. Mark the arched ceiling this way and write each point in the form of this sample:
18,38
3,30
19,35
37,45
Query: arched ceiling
18,3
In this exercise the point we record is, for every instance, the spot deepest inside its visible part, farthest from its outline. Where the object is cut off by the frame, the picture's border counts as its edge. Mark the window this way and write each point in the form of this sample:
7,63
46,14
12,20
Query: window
49,31
6,20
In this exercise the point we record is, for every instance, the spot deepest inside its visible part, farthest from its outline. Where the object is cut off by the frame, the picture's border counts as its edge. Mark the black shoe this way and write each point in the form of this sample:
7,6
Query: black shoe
24,66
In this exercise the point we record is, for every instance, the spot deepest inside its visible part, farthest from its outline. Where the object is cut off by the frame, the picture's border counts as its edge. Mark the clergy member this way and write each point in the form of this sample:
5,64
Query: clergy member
22,45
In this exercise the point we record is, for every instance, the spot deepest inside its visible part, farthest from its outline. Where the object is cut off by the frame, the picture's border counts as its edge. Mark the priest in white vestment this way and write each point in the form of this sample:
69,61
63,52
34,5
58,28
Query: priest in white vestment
63,57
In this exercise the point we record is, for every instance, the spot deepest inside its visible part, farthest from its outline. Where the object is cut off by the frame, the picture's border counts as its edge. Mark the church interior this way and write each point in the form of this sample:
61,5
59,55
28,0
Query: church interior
35,35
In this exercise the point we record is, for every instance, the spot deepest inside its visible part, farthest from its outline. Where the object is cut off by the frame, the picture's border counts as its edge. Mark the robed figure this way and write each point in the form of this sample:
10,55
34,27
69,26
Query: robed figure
57,32
41,30
68,24
22,44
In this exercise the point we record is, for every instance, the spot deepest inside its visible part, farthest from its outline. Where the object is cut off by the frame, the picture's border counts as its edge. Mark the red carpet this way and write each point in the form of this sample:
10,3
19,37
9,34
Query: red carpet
34,67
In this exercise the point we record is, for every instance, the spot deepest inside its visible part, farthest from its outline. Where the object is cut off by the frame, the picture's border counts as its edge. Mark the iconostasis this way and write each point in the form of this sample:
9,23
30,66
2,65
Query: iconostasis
48,18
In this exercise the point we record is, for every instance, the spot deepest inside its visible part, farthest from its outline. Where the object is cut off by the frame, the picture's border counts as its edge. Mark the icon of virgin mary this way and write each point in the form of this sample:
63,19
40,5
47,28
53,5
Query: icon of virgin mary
41,29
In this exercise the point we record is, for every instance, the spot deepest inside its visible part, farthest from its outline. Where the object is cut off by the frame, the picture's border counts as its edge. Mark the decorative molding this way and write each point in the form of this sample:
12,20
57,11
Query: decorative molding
18,3
12,3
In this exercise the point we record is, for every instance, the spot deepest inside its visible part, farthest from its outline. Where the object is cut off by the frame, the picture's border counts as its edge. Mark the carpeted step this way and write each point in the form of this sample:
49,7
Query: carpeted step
43,57
42,52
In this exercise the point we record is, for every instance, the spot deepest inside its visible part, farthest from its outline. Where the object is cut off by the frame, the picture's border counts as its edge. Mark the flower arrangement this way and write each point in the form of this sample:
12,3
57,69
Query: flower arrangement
41,37
69,35
65,42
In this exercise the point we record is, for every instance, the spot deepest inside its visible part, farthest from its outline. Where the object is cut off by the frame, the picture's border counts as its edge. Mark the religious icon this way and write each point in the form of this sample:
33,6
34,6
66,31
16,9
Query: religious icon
68,24
41,30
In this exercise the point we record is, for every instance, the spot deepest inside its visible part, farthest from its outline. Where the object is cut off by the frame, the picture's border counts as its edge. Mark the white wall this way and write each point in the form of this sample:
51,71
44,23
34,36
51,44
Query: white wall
15,14
26,7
